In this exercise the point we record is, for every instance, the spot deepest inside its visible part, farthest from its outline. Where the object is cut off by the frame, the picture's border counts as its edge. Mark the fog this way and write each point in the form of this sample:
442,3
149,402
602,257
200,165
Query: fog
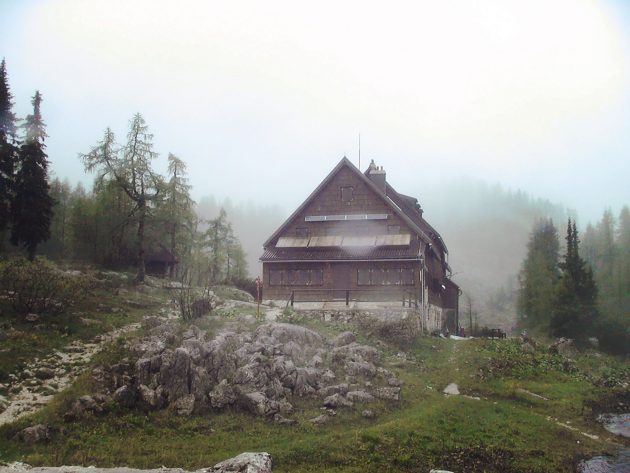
262,99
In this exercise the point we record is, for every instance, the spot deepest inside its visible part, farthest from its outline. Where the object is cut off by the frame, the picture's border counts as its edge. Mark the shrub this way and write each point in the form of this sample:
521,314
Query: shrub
39,286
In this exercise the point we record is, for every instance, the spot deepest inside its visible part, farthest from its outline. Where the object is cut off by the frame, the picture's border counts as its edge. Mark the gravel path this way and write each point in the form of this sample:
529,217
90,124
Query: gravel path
43,378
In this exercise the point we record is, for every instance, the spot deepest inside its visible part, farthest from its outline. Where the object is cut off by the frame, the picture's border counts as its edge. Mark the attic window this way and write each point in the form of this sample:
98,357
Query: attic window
347,194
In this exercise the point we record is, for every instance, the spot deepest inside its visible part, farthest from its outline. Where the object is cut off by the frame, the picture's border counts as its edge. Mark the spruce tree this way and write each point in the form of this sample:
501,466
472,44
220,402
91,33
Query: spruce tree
575,306
31,209
8,149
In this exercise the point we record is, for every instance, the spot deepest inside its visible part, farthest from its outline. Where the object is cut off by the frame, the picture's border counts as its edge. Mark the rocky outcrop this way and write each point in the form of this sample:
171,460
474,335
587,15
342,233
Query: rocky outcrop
257,371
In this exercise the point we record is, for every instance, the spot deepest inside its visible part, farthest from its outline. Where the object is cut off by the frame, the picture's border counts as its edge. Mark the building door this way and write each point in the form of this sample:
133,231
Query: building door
341,280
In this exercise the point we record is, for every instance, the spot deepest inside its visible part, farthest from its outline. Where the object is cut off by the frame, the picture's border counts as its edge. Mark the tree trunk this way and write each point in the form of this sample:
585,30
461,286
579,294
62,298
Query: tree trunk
171,273
141,268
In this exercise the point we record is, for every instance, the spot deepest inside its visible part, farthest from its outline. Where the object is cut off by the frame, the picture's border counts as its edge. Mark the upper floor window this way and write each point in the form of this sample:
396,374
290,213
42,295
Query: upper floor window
347,194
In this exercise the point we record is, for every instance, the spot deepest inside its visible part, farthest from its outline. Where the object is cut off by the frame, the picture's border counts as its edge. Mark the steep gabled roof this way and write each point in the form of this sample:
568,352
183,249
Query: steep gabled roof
408,205
345,162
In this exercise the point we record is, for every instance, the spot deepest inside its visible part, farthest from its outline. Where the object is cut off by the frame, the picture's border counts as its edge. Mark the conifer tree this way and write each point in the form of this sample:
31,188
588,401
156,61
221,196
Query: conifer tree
539,275
178,209
129,167
8,149
575,307
31,209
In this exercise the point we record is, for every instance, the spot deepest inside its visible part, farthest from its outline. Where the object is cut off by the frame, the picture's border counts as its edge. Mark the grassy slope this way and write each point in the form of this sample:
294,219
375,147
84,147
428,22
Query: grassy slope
504,431
107,310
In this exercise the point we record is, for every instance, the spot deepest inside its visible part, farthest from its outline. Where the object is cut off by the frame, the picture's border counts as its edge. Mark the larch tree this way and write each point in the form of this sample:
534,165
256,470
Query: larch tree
129,166
178,207
8,149
539,275
31,208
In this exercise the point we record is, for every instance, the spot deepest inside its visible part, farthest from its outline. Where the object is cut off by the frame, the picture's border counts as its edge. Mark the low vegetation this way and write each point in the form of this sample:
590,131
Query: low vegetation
521,408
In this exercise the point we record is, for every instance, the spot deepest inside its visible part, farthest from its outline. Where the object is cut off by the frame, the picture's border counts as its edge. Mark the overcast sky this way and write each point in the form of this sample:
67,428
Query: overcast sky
263,98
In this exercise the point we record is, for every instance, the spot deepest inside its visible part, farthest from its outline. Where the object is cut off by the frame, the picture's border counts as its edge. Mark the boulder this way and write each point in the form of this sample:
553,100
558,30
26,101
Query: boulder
361,368
222,395
259,404
333,389
125,396
387,393
319,420
33,434
368,414
149,399
565,347
281,420
45,373
337,400
245,463
175,373
451,390
359,396
345,338
184,406
84,407
32,318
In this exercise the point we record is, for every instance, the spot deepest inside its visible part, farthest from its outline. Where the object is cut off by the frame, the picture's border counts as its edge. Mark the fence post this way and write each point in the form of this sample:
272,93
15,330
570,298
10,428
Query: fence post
292,297
347,297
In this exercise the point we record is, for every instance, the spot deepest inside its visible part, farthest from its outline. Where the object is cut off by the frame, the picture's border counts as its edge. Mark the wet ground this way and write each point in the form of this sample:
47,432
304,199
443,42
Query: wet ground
618,424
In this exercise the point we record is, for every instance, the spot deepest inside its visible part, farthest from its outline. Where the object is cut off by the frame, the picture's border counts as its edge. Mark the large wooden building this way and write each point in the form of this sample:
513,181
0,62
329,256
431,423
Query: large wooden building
356,239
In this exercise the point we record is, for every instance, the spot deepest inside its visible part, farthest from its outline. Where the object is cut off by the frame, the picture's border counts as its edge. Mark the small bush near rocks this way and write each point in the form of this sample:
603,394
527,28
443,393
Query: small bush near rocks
39,286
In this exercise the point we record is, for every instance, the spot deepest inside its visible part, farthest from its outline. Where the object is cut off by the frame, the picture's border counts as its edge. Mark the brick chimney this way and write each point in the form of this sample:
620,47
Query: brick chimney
377,176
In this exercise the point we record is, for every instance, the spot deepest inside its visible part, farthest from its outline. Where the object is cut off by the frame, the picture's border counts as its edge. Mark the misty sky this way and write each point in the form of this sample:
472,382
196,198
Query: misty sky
262,99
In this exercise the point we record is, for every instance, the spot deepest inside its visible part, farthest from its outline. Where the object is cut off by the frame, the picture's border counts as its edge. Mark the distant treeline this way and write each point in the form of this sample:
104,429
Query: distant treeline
586,292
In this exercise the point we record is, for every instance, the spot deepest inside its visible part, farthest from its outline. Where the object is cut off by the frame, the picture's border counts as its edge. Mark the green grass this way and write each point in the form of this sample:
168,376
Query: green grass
51,333
506,431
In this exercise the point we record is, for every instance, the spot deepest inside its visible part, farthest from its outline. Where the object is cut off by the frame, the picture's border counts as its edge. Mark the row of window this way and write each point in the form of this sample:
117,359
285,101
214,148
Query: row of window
385,277
296,277
303,232
365,277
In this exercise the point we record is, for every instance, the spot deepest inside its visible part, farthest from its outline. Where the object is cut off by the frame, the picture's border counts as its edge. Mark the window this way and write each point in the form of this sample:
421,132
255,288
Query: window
296,277
303,278
317,277
385,277
363,277
391,277
275,277
393,229
301,232
347,194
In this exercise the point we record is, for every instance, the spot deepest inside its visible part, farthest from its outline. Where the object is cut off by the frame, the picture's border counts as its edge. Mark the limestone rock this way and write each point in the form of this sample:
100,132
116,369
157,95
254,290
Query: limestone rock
320,419
184,406
245,463
337,400
222,395
345,338
451,390
34,434
125,396
359,396
388,393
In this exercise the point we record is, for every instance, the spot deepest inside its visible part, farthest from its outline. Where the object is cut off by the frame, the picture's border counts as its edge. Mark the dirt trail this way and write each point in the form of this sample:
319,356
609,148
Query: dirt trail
43,378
